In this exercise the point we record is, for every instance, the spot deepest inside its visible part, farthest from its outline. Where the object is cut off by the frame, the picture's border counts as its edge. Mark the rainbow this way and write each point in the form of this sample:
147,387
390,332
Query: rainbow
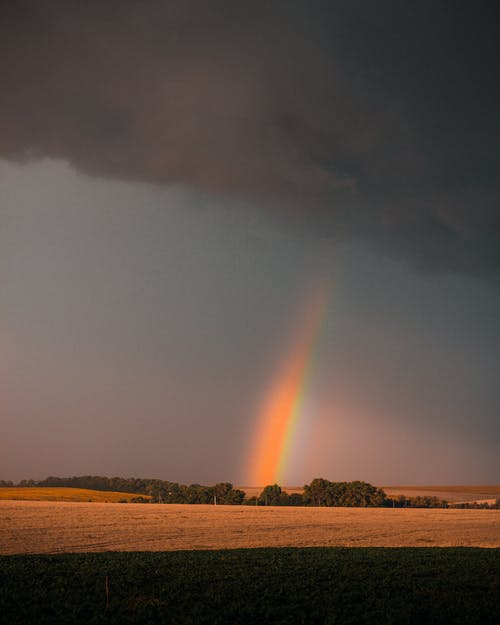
280,414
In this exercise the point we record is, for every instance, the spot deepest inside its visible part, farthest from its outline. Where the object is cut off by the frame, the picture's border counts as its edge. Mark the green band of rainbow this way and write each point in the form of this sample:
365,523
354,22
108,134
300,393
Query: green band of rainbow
294,418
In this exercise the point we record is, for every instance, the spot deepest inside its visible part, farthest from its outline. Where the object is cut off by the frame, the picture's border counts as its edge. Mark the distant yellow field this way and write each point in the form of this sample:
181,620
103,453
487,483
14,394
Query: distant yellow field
65,494
453,494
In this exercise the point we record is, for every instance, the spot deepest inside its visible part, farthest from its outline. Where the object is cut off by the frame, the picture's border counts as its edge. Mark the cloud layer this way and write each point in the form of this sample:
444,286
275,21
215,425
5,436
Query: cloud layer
378,120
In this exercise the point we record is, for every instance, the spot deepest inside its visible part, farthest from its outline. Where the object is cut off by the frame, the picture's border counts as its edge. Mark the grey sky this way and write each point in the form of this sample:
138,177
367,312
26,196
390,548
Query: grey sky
141,326
173,178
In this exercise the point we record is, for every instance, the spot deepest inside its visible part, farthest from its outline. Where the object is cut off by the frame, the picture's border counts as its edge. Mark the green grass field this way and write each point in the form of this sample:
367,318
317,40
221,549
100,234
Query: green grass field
421,586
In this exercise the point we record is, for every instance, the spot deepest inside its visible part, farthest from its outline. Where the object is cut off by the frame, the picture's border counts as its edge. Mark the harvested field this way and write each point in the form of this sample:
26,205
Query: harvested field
38,493
58,527
452,494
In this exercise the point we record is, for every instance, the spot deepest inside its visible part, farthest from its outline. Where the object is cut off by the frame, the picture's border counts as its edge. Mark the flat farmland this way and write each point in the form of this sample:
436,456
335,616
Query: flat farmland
29,527
452,494
51,493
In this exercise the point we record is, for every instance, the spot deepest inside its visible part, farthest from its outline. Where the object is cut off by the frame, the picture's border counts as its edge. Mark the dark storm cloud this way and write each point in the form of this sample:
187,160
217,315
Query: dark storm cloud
371,119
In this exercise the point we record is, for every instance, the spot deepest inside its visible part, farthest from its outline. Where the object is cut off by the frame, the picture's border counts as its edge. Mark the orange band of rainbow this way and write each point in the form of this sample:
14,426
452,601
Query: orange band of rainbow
278,420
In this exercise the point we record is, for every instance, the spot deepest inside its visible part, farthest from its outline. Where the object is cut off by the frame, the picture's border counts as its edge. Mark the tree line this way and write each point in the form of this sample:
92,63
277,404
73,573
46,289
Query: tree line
159,491
477,505
319,492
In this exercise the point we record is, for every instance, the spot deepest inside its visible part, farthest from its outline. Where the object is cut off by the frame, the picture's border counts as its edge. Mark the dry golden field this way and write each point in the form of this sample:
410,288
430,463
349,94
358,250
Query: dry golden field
56,527
453,494
65,494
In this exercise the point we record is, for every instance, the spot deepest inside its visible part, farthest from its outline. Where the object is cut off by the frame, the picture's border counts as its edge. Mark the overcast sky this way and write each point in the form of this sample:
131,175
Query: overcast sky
174,178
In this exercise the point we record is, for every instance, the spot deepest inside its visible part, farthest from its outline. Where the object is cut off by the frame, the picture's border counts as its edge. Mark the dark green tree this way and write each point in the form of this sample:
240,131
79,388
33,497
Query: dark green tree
271,495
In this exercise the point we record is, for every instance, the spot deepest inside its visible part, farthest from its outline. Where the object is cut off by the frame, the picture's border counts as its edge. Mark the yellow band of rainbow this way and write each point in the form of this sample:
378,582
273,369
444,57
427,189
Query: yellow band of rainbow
280,415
